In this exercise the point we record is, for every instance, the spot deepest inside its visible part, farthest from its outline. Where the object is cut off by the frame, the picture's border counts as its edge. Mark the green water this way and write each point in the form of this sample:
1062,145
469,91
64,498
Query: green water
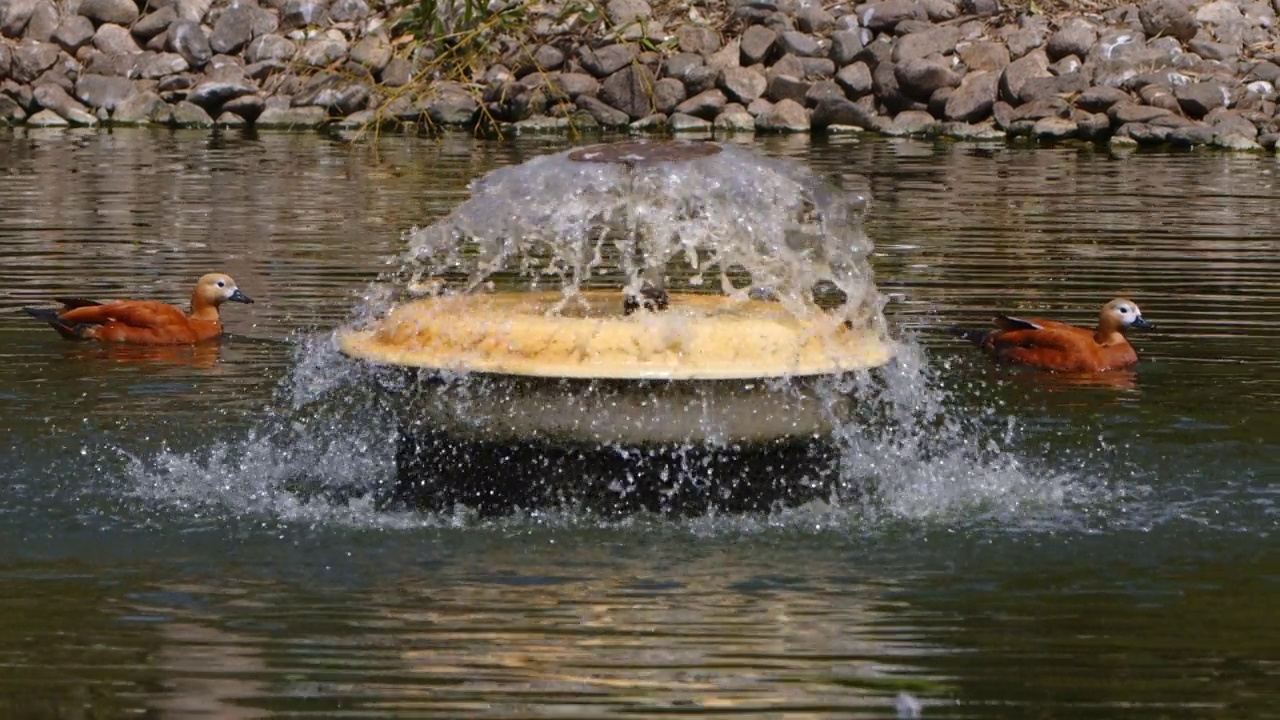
1049,547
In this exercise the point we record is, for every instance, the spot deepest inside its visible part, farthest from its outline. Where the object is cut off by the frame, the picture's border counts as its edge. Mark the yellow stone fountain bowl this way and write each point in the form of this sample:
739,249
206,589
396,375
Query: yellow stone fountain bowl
699,337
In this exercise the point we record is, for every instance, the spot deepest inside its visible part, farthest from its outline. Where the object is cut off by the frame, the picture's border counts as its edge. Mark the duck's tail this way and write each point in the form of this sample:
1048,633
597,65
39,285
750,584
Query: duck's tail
67,330
969,334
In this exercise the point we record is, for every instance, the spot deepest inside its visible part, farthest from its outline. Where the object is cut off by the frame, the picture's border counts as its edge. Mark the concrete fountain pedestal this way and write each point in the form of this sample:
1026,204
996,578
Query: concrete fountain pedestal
637,396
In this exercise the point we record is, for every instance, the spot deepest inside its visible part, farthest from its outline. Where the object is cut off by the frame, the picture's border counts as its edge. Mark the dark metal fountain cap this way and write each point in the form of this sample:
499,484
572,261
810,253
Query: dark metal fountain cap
644,152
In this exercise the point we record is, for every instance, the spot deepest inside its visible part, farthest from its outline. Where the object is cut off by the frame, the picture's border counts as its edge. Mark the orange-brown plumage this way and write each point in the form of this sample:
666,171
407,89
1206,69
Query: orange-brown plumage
1052,345
146,322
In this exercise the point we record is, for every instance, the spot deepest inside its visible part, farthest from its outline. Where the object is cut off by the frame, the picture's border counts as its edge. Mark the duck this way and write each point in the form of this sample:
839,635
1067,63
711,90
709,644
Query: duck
1057,346
145,322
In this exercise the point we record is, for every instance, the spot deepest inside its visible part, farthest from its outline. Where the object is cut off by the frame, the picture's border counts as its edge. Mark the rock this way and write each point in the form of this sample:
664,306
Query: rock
14,16
186,115
30,59
6,60
1076,37
248,107
276,115
1236,142
786,116
11,113
1032,65
887,14
1040,109
838,111
623,12
349,11
1127,112
939,40
73,33
47,118
756,44
855,79
571,85
211,94
138,108
973,99
667,94
397,73
706,105
238,25
1198,99
920,77
1091,126
787,86
227,119
1159,96
1100,99
1230,122
1211,50
115,40
1042,87
681,123
813,18
154,23
602,113
797,43
605,61
912,122
302,13
543,59
157,65
742,85
118,12
322,52
735,118
823,90
1194,134
629,90
274,47
339,95
1054,128
1168,17
845,46
372,51
44,21
1264,70
102,91
187,39
53,98
983,55
697,39
1021,41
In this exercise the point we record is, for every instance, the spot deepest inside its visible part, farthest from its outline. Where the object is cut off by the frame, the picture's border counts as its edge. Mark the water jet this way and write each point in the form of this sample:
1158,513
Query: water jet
636,325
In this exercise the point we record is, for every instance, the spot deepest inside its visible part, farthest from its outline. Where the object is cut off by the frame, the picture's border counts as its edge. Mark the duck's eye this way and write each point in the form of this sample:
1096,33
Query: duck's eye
1123,310
223,284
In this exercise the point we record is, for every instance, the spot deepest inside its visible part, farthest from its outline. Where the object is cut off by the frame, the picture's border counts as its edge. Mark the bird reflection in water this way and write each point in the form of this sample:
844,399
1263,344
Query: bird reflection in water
201,355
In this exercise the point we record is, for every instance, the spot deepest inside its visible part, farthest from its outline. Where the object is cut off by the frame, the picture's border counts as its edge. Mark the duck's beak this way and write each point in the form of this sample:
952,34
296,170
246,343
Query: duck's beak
240,297
1143,323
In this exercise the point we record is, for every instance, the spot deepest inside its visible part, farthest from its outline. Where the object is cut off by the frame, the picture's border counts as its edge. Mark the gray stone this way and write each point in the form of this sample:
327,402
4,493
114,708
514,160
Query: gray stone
322,52
630,90
681,123
53,98
818,67
186,38
275,47
813,18
302,13
14,16
785,86
572,84
941,10
735,119
103,91
622,12
1021,41
1168,17
758,107
73,33
44,21
11,113
1198,99
248,107
192,9
1054,128
920,77
605,61
152,24
787,65
855,79
542,59
667,94
786,116
799,44
453,106
603,114
823,90
158,65
679,65
887,14
1236,142
30,59
845,46
238,25
1100,99
338,95
139,108
742,85
118,12
912,122
47,118
934,41
706,105
1068,65
1264,70
115,40
186,115
1091,126
838,111
1042,87
1040,109
884,84
756,44
1077,36
349,11
372,51
1194,134
228,119
1032,65
697,39
397,73
1127,112
6,60
211,94
1210,50
983,55
1160,96
973,99
1228,122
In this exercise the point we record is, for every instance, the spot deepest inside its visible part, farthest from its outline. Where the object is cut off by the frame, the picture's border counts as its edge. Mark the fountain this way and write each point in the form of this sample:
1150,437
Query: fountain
638,325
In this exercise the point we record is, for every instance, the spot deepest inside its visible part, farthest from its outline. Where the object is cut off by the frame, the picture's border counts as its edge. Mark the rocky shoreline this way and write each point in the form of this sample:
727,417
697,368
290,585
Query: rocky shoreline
1181,72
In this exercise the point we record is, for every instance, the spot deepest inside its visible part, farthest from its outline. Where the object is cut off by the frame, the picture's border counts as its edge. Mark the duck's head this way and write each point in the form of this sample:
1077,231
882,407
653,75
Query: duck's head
1122,314
216,288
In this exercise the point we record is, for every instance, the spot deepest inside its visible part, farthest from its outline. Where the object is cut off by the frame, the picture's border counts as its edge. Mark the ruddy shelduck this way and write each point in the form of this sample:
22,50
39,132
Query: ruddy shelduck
145,322
1057,346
